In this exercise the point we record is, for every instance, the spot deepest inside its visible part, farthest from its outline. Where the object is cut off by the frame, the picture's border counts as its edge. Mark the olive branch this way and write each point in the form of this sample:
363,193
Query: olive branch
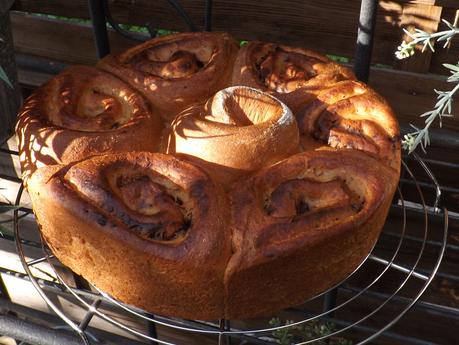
420,136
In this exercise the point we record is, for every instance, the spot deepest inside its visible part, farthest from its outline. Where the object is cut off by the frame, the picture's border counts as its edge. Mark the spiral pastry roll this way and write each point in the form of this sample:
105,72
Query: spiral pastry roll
238,130
351,115
177,70
83,112
294,75
147,228
303,225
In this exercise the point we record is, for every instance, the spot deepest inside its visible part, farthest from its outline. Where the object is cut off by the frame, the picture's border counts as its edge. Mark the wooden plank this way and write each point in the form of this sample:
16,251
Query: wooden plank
57,40
32,78
292,22
442,3
411,94
422,17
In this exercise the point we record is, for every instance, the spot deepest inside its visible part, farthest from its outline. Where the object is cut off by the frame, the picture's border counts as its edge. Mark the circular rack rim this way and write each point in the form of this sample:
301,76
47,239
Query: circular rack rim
223,330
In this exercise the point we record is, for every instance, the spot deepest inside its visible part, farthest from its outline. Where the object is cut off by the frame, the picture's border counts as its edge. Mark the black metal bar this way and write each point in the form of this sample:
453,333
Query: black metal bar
99,27
88,317
367,21
35,334
3,290
9,152
330,301
10,178
152,332
208,19
10,93
178,7
125,33
37,64
224,325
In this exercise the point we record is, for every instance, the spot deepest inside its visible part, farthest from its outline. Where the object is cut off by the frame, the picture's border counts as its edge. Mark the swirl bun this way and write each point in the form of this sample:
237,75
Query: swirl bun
240,129
323,209
82,112
352,115
294,75
140,217
175,71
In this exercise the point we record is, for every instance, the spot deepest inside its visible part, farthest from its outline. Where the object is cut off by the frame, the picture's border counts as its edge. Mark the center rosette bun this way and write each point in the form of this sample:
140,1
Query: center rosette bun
83,112
147,228
175,71
238,130
294,75
306,222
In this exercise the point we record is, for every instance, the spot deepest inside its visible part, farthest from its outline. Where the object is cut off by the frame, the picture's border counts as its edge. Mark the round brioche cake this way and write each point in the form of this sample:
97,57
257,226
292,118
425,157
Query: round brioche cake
194,178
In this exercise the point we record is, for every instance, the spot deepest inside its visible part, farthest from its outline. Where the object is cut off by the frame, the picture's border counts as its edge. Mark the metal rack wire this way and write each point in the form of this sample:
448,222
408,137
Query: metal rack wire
225,331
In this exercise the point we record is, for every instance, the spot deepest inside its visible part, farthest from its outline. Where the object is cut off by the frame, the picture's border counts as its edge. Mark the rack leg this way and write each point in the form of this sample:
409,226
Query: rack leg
330,301
224,326
365,36
3,291
99,27
208,20
152,332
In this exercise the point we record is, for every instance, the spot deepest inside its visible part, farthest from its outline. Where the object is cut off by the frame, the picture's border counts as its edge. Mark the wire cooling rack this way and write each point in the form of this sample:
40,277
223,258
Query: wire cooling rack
341,306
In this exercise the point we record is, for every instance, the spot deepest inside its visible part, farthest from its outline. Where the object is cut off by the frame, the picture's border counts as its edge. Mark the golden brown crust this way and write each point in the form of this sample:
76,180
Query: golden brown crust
303,225
352,115
239,129
82,112
96,232
294,75
235,205
177,70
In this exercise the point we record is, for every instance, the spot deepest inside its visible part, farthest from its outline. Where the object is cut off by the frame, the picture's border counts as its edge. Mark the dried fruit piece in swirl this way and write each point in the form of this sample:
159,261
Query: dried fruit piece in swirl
177,70
82,112
303,225
352,115
147,228
238,130
294,75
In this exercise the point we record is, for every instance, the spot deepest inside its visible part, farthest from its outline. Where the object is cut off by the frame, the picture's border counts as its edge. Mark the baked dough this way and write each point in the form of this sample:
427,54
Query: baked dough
248,207
82,112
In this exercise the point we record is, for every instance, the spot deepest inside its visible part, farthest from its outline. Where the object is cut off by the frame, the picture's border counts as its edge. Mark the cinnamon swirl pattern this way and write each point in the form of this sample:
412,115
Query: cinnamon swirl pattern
351,115
293,75
82,112
143,227
306,222
238,130
175,71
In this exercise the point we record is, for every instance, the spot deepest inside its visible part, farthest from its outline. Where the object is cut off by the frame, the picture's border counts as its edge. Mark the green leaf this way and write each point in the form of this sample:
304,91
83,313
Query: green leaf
451,67
4,77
